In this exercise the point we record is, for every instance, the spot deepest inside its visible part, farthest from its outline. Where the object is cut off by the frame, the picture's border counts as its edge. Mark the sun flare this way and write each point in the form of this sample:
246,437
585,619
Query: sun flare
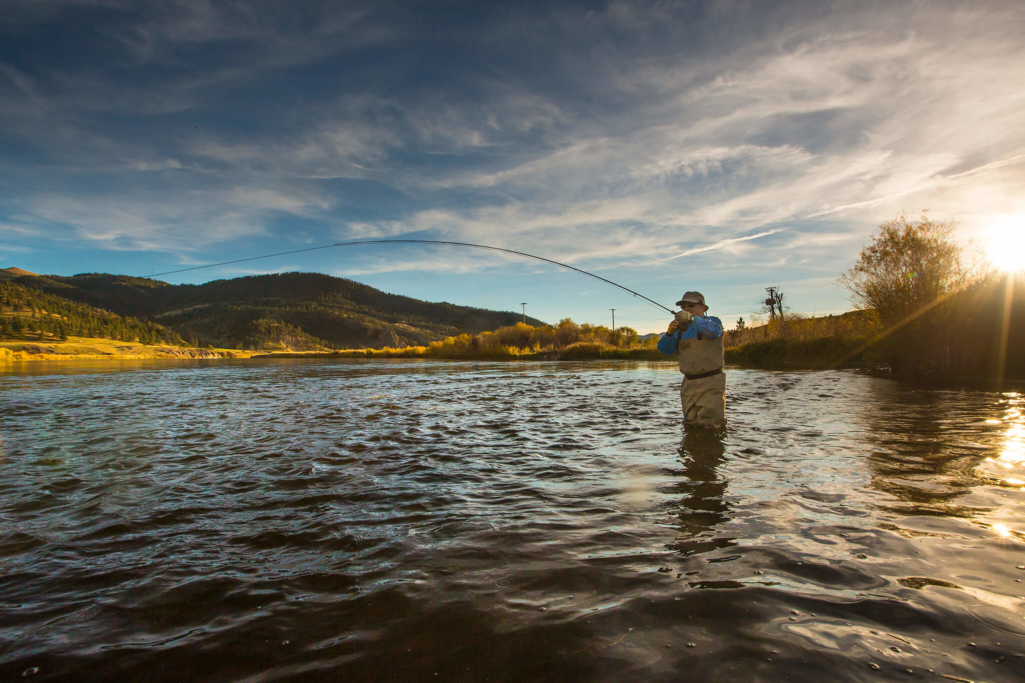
1006,244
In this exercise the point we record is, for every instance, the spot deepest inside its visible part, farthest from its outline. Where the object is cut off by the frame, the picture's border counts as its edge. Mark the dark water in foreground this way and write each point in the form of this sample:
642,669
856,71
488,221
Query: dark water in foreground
365,521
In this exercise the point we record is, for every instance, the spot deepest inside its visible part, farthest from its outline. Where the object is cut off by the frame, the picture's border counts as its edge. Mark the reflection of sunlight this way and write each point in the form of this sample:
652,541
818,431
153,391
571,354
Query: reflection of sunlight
1008,466
1013,449
1002,530
1014,446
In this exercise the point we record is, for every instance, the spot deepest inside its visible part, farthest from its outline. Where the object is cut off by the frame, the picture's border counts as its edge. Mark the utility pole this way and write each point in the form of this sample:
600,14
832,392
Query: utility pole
774,302
524,304
613,320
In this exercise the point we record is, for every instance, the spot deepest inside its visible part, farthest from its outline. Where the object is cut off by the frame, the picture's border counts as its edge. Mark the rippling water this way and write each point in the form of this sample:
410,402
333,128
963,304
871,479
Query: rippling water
365,521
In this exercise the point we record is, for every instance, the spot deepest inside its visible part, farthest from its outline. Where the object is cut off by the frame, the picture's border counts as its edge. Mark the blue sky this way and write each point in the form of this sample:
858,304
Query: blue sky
719,146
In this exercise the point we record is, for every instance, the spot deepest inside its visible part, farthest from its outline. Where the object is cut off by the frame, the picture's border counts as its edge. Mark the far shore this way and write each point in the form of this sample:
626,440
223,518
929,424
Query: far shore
91,349
793,357
86,348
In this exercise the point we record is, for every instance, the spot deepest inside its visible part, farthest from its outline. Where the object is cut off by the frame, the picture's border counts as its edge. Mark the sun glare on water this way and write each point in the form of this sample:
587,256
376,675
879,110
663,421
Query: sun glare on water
1006,245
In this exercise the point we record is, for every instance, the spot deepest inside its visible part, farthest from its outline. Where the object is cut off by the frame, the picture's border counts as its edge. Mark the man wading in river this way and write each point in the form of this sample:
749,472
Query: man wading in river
696,339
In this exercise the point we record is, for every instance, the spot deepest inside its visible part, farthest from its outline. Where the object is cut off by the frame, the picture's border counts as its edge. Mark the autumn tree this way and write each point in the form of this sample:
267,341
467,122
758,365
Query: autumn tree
904,275
908,266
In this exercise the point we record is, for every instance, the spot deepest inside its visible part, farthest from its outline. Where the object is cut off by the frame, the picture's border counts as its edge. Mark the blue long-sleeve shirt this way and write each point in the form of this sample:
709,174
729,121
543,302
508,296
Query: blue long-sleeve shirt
707,326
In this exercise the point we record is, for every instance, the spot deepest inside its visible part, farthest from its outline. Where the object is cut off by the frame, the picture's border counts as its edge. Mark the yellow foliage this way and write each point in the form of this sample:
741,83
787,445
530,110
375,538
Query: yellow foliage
523,341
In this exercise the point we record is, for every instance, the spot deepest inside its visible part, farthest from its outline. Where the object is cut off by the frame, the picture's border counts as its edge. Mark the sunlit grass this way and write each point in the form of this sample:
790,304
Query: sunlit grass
94,348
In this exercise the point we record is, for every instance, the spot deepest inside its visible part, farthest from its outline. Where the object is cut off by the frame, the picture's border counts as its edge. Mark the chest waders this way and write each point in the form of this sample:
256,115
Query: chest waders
703,390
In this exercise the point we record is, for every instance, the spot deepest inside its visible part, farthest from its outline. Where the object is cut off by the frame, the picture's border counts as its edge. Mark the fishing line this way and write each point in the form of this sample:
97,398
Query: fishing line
405,241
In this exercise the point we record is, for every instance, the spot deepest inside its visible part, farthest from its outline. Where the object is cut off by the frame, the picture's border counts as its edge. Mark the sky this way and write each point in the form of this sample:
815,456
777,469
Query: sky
667,146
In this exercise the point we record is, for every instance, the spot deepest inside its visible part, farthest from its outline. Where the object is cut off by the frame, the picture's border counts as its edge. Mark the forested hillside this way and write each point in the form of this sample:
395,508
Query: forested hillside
298,311
32,315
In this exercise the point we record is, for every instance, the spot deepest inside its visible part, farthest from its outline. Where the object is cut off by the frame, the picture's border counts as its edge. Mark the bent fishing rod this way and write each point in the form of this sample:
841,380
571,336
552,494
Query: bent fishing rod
409,241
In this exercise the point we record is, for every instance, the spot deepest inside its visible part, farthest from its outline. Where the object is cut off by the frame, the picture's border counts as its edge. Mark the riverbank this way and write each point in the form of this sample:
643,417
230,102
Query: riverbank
818,354
774,351
575,352
797,344
87,348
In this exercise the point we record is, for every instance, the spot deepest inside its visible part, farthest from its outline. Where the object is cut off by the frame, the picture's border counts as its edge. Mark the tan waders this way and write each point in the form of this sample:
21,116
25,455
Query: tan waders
703,391
704,400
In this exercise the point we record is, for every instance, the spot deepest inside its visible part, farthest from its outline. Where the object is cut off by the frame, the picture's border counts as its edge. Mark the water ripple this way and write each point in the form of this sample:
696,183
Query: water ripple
378,520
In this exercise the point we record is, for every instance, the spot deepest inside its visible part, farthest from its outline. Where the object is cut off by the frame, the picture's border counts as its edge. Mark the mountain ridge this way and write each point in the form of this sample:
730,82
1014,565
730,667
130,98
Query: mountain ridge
292,310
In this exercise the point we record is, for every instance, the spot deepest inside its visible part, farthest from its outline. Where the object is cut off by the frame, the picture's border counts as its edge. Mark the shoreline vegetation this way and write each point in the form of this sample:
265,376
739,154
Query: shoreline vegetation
853,339
798,343
90,348
849,340
922,313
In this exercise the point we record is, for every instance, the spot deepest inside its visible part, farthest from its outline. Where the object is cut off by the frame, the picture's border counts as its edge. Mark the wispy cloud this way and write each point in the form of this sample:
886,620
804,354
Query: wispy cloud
722,243
593,136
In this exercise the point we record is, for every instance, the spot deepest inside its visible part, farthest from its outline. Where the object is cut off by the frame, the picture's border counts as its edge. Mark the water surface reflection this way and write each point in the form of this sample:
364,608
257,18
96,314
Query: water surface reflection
701,506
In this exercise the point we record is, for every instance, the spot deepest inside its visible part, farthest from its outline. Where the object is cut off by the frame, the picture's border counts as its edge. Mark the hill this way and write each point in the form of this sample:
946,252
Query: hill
295,311
28,314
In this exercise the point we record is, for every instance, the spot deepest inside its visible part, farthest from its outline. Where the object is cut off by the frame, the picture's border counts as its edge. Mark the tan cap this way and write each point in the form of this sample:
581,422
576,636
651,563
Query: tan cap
692,298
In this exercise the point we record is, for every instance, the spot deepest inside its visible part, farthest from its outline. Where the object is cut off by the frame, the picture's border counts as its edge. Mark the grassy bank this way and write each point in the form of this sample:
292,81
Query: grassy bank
88,348
565,341
805,343
582,351
798,343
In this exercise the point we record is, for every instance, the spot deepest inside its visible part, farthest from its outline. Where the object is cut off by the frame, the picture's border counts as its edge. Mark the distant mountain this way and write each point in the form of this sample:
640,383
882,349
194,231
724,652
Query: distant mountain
289,310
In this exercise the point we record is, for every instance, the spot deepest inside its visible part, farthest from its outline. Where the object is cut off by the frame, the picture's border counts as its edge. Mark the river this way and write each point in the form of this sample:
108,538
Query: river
462,521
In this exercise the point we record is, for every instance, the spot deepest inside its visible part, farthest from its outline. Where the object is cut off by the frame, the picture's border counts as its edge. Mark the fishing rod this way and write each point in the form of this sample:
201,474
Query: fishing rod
410,241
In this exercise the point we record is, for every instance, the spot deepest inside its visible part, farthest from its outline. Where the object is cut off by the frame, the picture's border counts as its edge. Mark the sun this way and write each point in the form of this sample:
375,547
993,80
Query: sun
1005,244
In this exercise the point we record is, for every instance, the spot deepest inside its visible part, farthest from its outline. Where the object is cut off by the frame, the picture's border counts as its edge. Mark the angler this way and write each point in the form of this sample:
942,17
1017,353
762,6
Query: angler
697,341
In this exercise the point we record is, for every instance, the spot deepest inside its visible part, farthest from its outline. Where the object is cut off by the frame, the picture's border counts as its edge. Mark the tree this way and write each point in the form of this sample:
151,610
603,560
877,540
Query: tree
905,275
909,265
625,336
740,323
